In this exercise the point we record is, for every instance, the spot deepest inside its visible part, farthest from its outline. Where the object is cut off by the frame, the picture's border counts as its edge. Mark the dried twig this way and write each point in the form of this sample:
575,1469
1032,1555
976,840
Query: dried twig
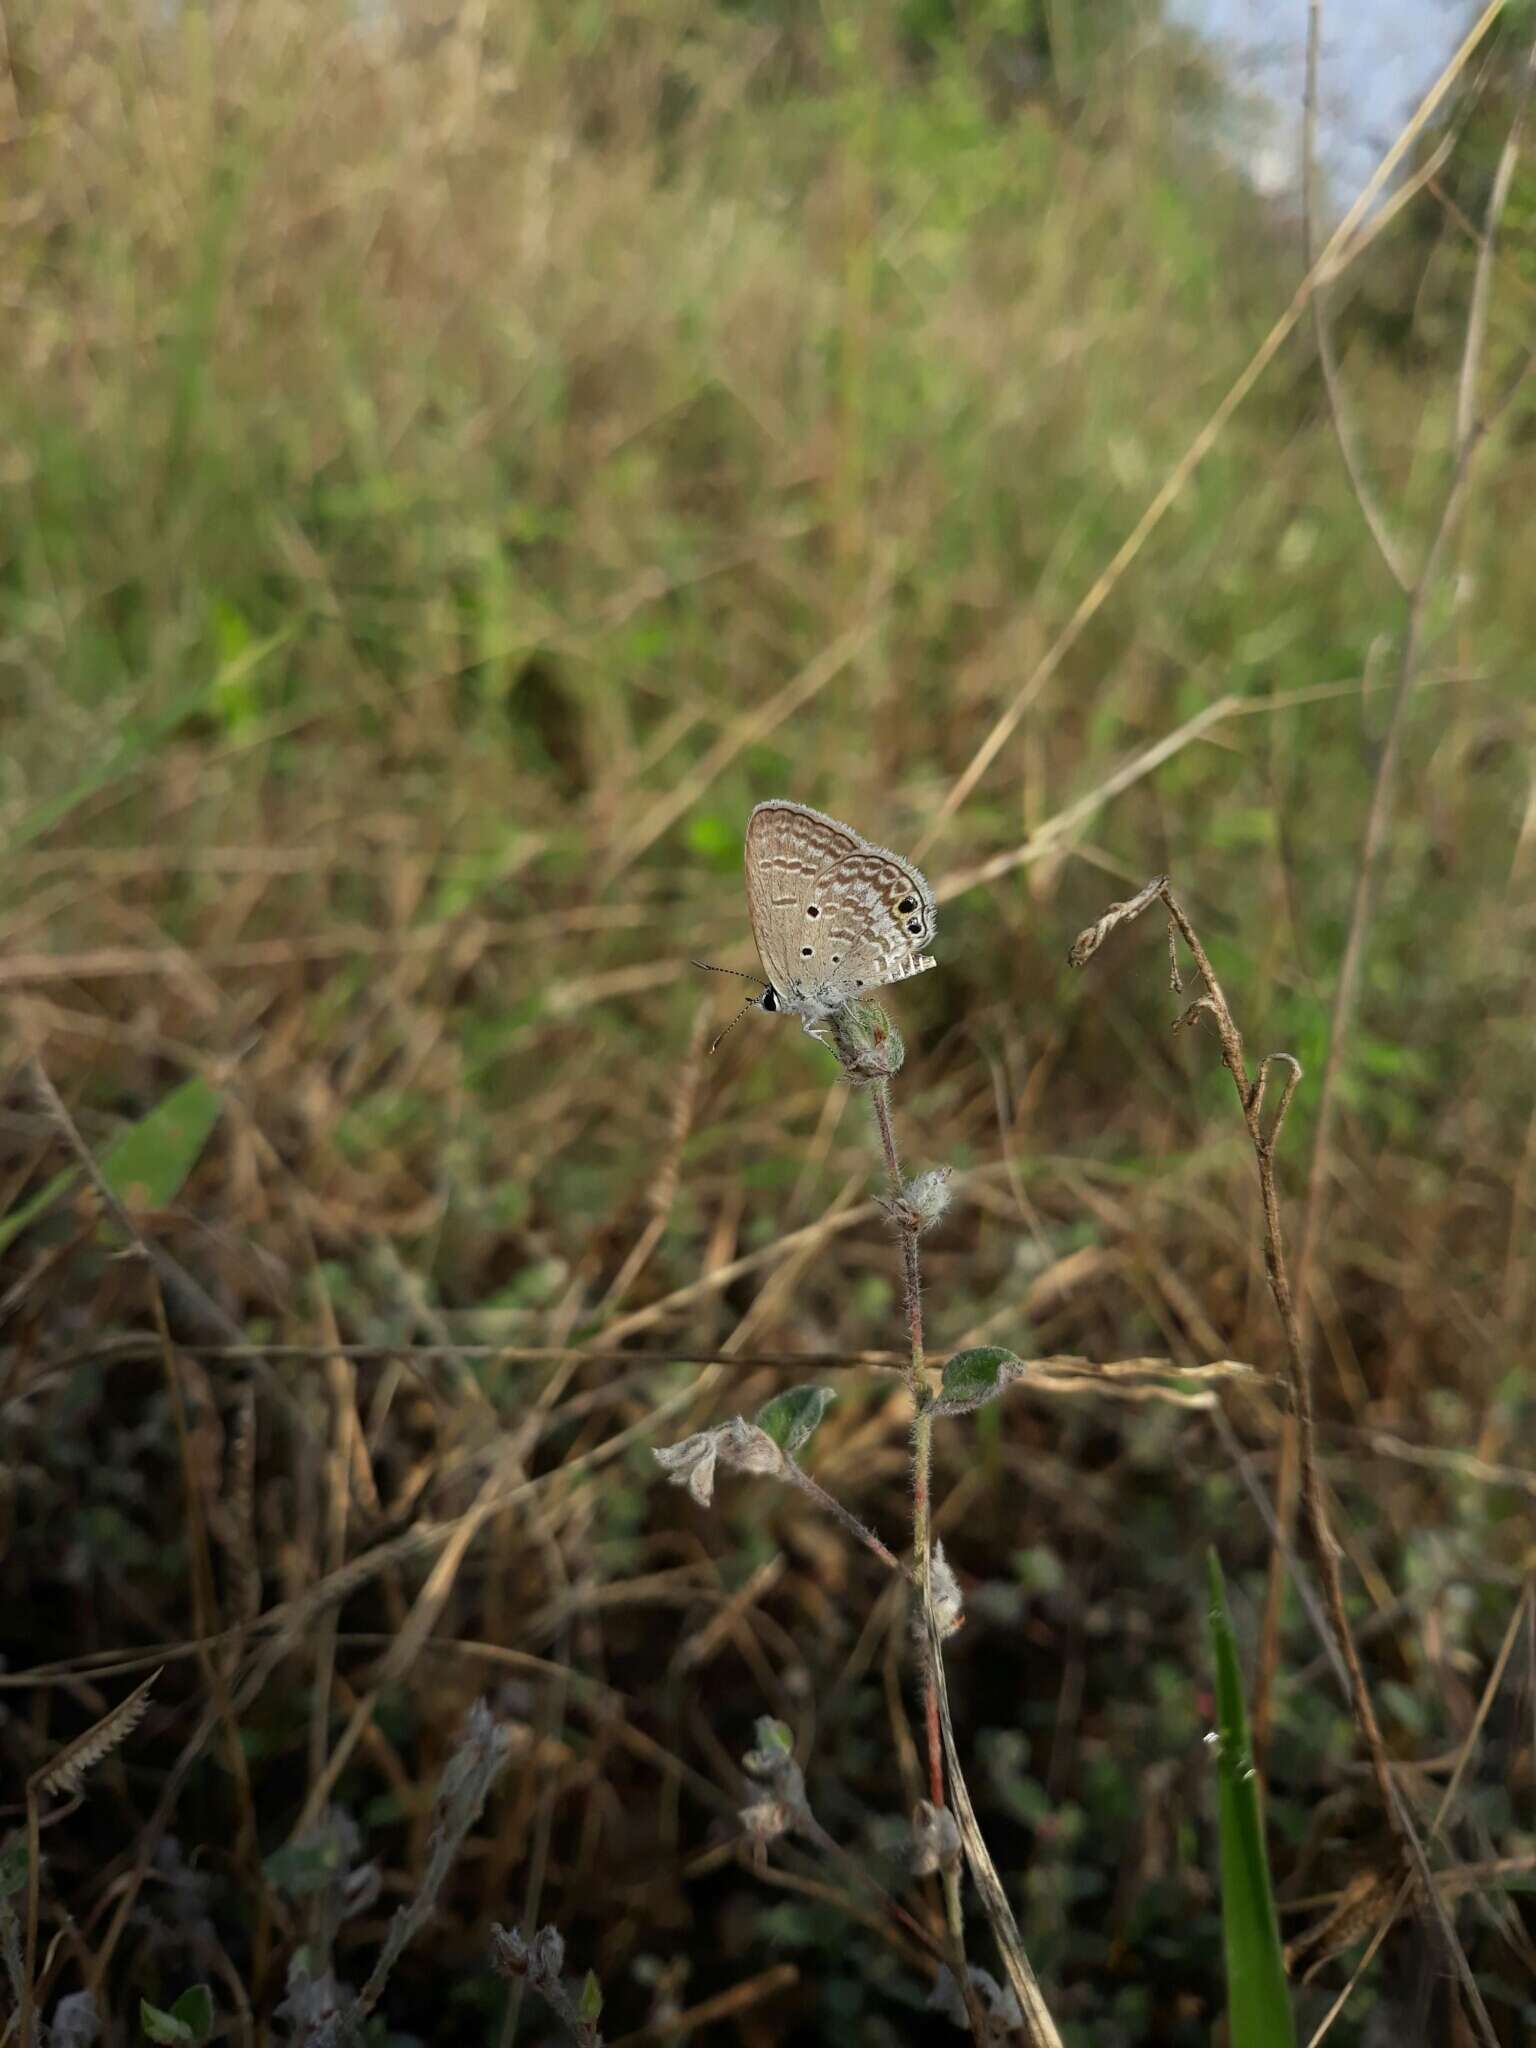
922,1546
1039,2028
1365,497
66,1772
1263,1135
1470,433
1343,245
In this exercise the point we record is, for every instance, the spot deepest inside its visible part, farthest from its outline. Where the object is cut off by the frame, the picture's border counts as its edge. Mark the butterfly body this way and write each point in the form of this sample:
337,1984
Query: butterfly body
833,916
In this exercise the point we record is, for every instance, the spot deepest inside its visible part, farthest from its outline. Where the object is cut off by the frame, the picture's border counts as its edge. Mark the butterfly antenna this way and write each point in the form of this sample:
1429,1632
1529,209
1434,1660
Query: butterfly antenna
710,968
751,1004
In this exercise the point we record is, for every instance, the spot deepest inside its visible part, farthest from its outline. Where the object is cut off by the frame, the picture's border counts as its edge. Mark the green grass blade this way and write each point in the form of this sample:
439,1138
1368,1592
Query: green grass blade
18,1220
147,1164
1258,2001
139,741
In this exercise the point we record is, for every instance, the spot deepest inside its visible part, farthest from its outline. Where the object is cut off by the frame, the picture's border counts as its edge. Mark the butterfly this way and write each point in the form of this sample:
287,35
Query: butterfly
833,916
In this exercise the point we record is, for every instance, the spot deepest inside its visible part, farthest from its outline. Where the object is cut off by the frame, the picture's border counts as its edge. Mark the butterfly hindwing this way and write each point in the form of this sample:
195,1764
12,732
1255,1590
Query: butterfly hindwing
832,915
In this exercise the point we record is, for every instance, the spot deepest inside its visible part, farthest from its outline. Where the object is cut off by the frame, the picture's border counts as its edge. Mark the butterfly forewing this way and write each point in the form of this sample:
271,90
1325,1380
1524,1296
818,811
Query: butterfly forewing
831,914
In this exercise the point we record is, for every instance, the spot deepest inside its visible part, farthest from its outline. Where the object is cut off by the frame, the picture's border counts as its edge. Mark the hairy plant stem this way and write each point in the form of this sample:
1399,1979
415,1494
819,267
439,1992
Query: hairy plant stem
1040,2031
917,1380
922,1548
796,1475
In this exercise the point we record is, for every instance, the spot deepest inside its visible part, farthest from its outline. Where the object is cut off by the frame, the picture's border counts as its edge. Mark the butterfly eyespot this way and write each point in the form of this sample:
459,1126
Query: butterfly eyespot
812,910
907,903
805,952
915,925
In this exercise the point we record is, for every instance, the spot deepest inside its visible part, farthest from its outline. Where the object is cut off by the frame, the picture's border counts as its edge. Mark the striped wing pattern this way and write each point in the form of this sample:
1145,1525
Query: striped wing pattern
832,915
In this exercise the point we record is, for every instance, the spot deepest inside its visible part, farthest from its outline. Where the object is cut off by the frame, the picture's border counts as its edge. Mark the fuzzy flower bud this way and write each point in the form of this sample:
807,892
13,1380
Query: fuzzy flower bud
773,1760
929,1195
692,1464
867,1043
513,1955
922,1201
738,1445
935,1839
948,1600
767,1820
743,1447
998,2004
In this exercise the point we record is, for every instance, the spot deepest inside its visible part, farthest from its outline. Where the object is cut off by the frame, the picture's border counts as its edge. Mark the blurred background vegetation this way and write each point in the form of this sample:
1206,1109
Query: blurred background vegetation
455,457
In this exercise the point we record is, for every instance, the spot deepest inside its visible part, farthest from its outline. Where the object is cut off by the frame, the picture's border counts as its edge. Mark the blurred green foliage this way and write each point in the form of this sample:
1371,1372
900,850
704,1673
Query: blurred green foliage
444,451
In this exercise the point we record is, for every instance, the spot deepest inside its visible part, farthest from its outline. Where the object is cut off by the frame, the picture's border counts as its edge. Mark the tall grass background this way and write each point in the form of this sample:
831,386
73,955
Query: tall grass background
454,459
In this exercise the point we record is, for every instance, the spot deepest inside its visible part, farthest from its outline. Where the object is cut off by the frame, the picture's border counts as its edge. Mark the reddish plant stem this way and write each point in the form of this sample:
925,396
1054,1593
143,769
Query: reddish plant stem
935,1742
917,1382
922,1460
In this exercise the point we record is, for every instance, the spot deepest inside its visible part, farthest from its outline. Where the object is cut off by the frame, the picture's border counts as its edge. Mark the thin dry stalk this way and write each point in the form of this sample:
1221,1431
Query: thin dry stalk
724,2005
1470,432
1342,246
1365,497
1040,2029
746,730
208,1624
1482,279
1263,1138
662,1193
165,1275
1374,843
1049,836
66,1772
922,1466
1447,1881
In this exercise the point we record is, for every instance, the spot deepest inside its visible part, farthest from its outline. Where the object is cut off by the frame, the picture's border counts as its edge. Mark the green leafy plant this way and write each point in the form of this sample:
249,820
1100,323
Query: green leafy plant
190,2019
1258,2002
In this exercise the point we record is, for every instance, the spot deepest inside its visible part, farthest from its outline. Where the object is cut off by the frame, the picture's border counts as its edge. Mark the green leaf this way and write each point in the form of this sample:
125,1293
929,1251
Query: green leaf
194,2009
590,2004
300,1869
770,1734
13,1866
20,1219
162,2026
1258,2003
145,1165
972,1377
790,1418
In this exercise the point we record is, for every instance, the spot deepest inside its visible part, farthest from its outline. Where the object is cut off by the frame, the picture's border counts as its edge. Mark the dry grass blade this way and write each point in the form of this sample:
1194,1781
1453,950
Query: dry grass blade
1340,244
66,1771
1039,2028
1374,845
1263,1139
1470,435
1482,282
1048,838
724,2005
1370,511
565,400
744,731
